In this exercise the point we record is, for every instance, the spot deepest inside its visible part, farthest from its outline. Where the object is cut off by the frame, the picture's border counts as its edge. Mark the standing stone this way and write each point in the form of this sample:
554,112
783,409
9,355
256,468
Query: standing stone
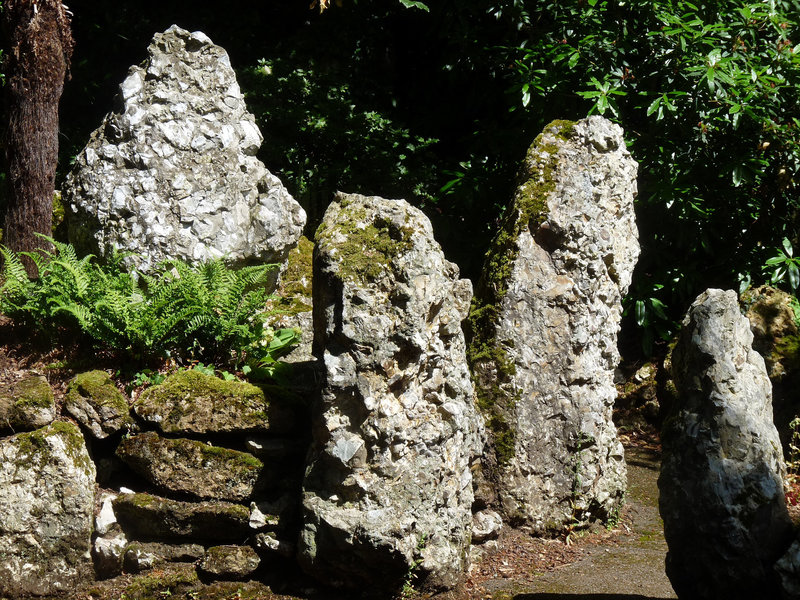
173,173
389,480
721,483
544,330
46,509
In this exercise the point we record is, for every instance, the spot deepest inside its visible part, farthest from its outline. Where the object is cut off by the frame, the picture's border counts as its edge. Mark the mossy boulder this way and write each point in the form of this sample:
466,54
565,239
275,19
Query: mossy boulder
192,402
776,337
229,562
192,467
26,404
148,517
95,402
47,484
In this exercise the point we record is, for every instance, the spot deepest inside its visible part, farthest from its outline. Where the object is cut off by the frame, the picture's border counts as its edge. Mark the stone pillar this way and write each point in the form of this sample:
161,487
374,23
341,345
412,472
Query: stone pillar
388,483
721,483
544,330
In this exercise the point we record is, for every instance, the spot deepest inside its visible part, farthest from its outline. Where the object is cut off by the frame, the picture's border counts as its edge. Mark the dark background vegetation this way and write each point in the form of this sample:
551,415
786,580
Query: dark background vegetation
438,107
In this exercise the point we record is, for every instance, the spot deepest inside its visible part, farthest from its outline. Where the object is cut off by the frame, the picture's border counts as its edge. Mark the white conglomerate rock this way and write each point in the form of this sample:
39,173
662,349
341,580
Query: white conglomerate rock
47,485
721,483
544,330
389,481
172,173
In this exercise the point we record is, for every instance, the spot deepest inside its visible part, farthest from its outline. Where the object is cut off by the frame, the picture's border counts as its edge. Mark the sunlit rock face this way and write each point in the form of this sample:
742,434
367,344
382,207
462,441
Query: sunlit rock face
721,482
544,330
173,173
389,480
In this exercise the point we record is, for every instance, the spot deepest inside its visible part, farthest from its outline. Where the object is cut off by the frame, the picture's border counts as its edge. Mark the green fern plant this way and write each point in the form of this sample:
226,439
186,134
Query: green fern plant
209,311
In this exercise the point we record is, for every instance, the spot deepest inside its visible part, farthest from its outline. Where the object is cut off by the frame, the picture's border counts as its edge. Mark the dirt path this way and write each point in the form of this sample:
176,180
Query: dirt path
626,565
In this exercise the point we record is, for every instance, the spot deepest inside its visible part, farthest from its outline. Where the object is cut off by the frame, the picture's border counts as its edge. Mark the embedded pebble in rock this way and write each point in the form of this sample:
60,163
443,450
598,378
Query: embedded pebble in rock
27,404
389,480
486,525
95,402
172,173
46,509
721,482
193,467
544,330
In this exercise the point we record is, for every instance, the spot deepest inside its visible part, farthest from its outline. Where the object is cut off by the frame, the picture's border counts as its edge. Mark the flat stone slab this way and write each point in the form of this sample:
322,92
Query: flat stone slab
229,562
148,517
193,467
191,402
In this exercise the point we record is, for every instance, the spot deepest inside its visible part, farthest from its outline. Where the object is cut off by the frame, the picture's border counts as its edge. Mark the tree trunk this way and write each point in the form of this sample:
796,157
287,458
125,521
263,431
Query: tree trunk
39,45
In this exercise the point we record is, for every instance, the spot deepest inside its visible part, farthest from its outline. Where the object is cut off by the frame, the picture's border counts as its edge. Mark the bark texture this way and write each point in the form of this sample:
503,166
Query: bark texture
39,42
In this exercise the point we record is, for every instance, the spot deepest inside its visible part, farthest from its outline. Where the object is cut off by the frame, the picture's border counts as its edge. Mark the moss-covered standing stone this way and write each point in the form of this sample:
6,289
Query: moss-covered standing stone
543,329
27,404
96,403
193,467
47,484
195,403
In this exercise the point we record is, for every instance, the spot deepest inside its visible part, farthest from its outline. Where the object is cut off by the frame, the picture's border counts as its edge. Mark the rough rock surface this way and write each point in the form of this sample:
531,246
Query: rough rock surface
110,541
191,466
788,569
27,404
777,338
141,556
195,403
389,480
173,173
96,403
721,482
46,508
229,562
148,517
544,329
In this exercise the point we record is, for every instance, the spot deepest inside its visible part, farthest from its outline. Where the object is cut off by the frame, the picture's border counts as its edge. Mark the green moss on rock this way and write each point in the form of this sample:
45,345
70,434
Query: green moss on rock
488,358
34,445
99,387
365,250
34,392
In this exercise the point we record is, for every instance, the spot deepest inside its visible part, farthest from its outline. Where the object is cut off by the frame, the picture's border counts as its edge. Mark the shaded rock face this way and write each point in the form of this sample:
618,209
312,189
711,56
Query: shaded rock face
172,173
721,482
389,477
777,338
46,508
229,562
544,330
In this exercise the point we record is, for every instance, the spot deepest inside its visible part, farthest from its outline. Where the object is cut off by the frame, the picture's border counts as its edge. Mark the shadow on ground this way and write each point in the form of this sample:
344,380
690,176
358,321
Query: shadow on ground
583,597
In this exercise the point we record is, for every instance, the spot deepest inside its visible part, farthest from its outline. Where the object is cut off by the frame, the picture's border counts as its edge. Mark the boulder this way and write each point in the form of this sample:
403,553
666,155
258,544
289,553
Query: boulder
486,525
148,517
27,404
776,337
788,569
544,330
194,403
172,172
189,466
96,403
46,509
229,562
721,482
389,483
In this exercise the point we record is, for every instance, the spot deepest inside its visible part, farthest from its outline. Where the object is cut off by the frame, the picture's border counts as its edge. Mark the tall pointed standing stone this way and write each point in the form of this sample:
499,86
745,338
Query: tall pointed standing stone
388,490
544,329
173,173
721,483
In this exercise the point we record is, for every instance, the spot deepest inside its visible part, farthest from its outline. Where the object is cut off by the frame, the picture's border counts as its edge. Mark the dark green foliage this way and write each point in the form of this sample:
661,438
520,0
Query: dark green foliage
208,311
